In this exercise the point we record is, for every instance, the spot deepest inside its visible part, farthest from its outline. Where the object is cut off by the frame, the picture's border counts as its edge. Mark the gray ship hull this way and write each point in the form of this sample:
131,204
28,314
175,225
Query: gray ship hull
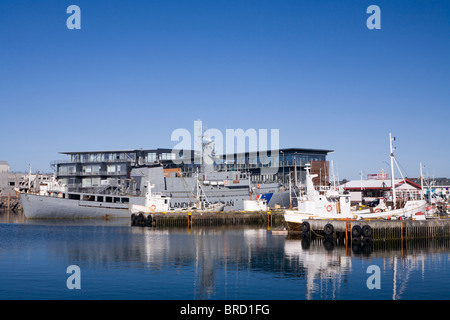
44,207
222,187
229,188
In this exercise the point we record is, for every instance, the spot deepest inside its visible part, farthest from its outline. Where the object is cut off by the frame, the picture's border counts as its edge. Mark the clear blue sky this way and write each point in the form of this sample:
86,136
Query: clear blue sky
137,70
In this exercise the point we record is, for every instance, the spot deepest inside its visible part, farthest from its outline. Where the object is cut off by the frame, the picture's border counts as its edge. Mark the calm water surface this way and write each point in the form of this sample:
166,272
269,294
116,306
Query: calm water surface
122,262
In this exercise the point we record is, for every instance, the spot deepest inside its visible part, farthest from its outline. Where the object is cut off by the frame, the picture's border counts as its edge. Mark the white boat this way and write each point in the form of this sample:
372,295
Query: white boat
257,204
157,202
52,200
315,204
203,204
333,203
74,205
154,202
403,205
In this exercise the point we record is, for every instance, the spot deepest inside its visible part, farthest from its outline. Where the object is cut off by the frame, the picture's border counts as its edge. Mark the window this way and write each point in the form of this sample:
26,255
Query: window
168,156
95,182
122,169
110,169
74,196
151,157
86,182
87,169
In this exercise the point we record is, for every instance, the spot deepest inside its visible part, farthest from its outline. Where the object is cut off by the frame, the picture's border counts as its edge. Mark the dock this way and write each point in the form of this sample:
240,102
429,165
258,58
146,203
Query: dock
10,203
377,230
190,219
350,230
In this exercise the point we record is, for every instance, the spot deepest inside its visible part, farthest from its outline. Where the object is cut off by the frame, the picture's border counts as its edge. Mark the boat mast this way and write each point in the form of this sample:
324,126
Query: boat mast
332,171
391,155
197,187
421,182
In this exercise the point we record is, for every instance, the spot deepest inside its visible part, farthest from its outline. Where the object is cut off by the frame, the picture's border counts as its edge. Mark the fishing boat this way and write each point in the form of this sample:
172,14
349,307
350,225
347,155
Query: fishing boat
333,203
315,204
154,202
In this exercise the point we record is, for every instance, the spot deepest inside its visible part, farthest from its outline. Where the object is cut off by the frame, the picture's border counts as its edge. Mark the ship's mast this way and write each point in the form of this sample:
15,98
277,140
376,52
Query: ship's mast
391,155
421,182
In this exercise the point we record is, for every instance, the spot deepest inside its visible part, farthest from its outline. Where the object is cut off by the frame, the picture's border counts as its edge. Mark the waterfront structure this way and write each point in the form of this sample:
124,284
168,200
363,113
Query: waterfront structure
4,166
111,183
371,189
94,171
7,179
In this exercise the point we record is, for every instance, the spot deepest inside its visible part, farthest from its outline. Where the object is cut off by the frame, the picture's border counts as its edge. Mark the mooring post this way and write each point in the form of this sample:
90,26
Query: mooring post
401,227
346,236
269,219
189,220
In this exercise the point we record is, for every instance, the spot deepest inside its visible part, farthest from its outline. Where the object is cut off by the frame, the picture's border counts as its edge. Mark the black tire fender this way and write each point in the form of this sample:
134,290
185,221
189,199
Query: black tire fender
328,229
305,226
356,231
366,231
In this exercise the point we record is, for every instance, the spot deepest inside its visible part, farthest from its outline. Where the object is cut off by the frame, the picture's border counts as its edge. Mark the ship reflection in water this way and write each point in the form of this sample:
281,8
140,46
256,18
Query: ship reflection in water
122,262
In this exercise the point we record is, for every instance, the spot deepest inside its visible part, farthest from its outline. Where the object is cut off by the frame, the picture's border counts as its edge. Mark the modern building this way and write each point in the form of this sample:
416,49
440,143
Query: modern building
95,170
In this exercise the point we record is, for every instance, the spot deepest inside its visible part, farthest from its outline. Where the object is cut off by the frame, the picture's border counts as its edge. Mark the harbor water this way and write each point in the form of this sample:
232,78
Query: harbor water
117,261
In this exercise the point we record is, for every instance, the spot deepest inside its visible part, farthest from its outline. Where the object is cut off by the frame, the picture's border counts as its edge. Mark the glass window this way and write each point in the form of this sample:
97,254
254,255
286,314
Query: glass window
63,169
111,169
122,169
86,182
95,182
87,169
96,169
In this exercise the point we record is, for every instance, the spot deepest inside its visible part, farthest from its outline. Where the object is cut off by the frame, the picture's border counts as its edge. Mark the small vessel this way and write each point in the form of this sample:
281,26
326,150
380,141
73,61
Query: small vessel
403,205
257,204
331,203
202,203
154,202
315,204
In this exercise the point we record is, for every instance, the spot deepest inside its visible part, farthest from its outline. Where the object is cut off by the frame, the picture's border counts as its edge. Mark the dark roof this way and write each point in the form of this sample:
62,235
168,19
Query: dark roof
166,150
285,150
160,150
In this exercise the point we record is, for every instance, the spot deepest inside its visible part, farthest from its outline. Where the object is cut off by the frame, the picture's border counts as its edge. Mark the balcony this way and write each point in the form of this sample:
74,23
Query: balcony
91,174
54,163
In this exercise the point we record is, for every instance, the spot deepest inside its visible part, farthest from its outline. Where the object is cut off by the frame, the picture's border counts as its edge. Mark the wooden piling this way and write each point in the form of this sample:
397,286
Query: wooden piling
388,230
217,219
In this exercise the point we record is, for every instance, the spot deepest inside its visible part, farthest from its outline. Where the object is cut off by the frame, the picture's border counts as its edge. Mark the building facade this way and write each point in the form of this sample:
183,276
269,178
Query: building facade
96,170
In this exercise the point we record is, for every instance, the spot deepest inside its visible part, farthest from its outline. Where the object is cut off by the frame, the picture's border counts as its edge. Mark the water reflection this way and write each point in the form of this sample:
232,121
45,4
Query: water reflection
408,267
8,216
240,262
